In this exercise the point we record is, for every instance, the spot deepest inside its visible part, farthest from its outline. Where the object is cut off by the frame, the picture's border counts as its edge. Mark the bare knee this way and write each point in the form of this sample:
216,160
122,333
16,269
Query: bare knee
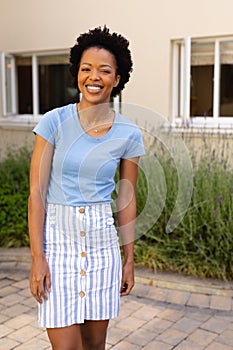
67,338
94,344
94,334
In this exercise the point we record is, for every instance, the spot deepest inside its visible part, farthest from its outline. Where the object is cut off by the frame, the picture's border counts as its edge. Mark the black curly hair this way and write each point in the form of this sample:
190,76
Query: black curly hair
114,43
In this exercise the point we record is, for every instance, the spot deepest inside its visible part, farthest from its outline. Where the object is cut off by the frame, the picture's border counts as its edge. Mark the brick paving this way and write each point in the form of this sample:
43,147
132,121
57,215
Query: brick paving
151,318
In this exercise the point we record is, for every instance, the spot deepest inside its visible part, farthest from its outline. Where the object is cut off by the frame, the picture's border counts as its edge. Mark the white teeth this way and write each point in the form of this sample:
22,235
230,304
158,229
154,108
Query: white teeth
93,88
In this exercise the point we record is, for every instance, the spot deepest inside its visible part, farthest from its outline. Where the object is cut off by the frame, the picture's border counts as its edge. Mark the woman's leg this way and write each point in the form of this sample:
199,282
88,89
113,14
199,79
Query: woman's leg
65,338
94,334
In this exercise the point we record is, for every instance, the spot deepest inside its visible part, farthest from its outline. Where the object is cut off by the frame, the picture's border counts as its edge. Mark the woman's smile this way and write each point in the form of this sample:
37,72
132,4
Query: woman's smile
97,76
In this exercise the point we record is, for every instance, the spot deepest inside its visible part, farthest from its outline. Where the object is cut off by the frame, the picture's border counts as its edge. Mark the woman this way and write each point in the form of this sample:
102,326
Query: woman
76,273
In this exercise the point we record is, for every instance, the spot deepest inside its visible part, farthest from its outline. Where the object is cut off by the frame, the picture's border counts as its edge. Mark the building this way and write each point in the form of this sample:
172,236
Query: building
182,53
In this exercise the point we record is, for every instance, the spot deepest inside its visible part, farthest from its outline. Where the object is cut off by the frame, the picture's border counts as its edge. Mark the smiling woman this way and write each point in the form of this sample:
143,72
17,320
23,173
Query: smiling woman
97,76
77,275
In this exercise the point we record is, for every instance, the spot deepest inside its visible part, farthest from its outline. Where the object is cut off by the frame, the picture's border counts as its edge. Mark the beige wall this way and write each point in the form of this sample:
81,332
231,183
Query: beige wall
14,139
150,25
28,25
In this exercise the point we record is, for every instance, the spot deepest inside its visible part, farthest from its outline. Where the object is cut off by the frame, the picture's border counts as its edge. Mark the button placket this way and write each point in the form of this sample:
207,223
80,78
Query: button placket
82,271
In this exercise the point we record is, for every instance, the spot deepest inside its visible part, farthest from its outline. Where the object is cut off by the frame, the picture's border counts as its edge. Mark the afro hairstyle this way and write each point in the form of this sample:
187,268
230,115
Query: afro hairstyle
114,43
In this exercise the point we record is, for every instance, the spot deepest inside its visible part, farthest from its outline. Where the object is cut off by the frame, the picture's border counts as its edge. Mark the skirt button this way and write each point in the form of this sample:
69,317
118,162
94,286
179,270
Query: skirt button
82,294
82,210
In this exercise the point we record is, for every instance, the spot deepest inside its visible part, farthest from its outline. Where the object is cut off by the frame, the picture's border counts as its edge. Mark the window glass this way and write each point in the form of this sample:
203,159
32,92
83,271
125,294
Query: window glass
8,83
202,74
226,79
24,79
55,82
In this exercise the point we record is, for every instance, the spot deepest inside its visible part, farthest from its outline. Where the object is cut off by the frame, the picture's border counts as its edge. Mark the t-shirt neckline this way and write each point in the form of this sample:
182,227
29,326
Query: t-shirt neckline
91,138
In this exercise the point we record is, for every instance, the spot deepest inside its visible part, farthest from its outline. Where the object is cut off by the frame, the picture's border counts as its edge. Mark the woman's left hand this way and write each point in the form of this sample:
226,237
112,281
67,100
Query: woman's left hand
127,282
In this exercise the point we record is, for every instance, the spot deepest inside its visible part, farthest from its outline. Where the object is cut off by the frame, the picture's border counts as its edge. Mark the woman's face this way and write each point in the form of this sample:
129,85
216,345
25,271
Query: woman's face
97,76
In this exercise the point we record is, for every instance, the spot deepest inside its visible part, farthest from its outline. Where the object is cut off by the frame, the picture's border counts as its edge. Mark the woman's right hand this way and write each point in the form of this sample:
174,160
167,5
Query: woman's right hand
40,280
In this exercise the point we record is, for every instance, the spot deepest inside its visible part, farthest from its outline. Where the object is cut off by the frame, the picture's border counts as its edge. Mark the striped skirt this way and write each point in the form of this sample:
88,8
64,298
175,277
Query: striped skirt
82,249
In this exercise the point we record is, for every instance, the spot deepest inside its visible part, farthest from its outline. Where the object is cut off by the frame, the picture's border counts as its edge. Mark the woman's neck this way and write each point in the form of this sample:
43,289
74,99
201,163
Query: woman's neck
96,114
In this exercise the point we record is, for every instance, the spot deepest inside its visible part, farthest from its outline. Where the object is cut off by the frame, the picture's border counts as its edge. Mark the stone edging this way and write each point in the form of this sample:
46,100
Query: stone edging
19,258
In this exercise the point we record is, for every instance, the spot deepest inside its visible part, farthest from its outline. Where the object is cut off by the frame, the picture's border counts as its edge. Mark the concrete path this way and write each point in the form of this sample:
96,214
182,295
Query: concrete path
164,312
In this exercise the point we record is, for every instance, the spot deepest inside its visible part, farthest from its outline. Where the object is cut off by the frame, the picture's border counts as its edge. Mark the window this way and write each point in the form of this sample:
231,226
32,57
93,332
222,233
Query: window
202,81
34,84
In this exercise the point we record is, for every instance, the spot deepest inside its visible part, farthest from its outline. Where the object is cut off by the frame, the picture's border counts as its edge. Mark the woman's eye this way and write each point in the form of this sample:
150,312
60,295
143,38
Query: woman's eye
85,69
106,71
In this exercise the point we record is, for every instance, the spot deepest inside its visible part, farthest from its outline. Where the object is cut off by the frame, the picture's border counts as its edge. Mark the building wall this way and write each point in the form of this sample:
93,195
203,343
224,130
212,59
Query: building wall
149,25
32,25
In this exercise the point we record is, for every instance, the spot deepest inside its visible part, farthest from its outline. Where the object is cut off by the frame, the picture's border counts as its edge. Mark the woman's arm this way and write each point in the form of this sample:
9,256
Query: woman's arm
126,217
39,177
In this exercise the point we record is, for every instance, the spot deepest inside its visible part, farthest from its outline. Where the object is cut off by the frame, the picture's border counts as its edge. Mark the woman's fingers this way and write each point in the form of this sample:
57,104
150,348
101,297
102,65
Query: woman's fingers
126,288
38,286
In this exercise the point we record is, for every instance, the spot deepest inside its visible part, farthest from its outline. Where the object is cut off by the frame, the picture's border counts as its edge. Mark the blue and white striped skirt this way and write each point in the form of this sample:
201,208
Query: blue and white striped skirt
82,249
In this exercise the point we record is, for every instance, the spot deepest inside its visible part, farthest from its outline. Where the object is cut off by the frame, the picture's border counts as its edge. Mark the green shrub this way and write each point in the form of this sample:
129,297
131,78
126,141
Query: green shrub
14,190
202,243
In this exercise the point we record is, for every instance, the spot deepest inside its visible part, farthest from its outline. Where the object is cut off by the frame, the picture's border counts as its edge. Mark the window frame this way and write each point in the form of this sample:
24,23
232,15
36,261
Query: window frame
181,74
35,83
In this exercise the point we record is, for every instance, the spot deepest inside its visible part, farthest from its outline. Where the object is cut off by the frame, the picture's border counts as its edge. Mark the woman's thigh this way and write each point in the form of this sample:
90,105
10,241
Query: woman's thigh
94,334
65,338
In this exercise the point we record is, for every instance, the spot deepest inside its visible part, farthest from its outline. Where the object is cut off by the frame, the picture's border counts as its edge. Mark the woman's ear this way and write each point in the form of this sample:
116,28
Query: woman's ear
118,78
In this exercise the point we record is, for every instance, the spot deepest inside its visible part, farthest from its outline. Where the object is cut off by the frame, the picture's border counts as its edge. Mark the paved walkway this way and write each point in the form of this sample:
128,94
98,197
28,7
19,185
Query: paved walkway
164,312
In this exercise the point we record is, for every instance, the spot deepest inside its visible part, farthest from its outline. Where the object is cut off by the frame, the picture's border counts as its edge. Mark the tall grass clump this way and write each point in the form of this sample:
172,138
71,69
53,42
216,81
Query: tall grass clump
202,244
14,190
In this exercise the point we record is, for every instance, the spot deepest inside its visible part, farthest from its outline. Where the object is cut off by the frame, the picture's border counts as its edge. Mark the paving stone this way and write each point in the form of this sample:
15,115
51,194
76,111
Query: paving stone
19,276
24,334
172,336
140,290
177,297
202,337
140,337
30,302
199,300
157,345
217,346
8,344
22,284
159,294
12,299
19,321
157,325
132,305
198,314
33,344
4,330
187,325
7,290
15,310
188,345
115,335
171,315
5,282
146,313
130,323
220,302
225,338
124,345
3,318
215,325
25,292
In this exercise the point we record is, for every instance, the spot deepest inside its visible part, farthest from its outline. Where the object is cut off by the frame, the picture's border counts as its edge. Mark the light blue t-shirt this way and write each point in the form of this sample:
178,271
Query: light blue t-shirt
83,167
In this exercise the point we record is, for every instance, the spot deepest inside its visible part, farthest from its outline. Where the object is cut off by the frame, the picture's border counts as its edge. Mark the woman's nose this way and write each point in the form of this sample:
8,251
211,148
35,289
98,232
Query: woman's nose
94,74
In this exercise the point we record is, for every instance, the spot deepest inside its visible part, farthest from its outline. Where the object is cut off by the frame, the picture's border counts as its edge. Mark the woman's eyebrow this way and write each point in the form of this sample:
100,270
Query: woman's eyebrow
102,65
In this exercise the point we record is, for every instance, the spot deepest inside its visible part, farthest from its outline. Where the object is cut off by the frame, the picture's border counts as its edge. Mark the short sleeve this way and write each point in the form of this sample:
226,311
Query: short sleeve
47,126
135,147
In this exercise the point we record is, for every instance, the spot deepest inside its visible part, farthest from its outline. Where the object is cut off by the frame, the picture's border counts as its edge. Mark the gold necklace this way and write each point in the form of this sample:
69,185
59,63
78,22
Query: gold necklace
88,127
